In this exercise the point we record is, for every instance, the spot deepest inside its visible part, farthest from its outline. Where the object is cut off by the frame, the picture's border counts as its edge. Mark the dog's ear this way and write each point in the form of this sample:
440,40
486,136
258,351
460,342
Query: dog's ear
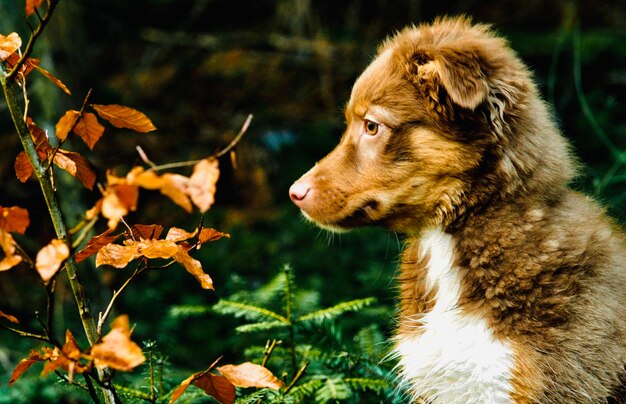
459,71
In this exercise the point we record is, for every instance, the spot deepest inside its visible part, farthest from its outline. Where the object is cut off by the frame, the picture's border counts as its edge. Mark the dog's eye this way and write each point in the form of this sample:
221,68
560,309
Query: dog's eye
371,127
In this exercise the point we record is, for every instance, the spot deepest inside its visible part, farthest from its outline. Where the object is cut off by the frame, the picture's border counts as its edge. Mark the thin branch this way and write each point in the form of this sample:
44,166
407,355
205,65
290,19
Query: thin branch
43,21
269,348
103,317
91,389
219,154
25,333
297,377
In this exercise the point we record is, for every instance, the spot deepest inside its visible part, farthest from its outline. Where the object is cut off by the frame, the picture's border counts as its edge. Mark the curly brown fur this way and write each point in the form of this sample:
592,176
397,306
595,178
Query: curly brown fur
449,142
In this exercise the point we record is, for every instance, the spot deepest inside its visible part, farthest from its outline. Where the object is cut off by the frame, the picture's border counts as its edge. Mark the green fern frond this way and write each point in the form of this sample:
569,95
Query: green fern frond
333,312
247,311
371,341
252,398
305,390
366,384
334,389
288,290
188,311
255,327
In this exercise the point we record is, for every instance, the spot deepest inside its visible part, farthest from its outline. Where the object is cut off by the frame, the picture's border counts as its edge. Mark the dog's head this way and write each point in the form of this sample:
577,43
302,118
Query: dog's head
445,118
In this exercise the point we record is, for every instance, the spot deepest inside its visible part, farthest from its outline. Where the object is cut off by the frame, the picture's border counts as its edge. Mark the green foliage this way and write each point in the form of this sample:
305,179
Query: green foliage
308,343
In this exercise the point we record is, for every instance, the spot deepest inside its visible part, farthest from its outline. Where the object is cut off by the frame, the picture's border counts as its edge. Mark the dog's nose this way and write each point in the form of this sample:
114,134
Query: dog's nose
298,191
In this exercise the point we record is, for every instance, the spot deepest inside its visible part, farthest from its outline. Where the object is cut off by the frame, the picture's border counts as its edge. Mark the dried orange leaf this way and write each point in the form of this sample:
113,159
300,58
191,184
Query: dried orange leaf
27,67
194,267
116,255
146,232
250,375
14,219
118,200
68,358
55,80
66,124
208,234
175,188
40,137
218,387
77,166
9,317
95,244
157,248
202,183
33,357
117,350
124,117
175,234
8,247
31,5
23,168
50,258
9,44
89,129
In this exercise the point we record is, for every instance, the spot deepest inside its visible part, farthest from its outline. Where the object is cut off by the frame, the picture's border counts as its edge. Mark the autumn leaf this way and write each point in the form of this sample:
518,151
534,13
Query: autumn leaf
23,169
175,234
53,79
194,267
118,200
173,186
207,234
124,117
202,183
66,123
77,166
31,5
14,219
95,244
33,357
9,44
27,67
89,129
8,247
67,358
250,375
146,232
117,350
50,258
39,136
116,255
218,387
9,317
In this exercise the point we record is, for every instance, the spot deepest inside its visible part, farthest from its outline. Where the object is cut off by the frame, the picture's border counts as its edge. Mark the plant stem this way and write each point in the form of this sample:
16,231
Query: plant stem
60,227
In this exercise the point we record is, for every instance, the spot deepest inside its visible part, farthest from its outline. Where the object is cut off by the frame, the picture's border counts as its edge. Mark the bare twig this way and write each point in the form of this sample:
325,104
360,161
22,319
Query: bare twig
269,348
103,317
25,333
297,377
219,154
43,21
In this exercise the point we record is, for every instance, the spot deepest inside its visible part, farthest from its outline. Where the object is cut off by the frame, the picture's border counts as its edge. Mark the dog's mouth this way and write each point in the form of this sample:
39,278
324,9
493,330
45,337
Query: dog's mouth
362,216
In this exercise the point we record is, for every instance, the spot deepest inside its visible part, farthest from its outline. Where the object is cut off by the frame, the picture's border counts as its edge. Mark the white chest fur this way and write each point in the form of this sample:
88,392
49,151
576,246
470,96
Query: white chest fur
452,357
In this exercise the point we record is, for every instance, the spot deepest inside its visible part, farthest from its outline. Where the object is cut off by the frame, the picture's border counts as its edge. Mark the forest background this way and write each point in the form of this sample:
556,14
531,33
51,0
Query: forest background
198,68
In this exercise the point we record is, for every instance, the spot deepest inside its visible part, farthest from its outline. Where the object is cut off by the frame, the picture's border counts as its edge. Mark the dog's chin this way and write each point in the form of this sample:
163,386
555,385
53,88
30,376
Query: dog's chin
360,217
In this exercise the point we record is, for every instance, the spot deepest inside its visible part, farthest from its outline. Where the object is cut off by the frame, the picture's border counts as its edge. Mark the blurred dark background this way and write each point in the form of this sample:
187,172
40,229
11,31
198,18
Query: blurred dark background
199,67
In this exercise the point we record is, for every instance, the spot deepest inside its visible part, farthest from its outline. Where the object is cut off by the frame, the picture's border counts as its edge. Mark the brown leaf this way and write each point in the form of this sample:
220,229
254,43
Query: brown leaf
8,247
27,67
194,267
50,258
23,168
33,357
9,44
53,79
77,166
118,200
89,129
31,5
68,358
14,219
157,248
173,186
40,137
116,255
146,232
218,387
124,117
117,350
182,387
95,244
66,124
208,234
202,183
250,375
9,317
175,234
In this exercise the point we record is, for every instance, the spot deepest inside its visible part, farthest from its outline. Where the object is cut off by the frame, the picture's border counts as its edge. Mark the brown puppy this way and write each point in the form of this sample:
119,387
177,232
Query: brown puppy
512,285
